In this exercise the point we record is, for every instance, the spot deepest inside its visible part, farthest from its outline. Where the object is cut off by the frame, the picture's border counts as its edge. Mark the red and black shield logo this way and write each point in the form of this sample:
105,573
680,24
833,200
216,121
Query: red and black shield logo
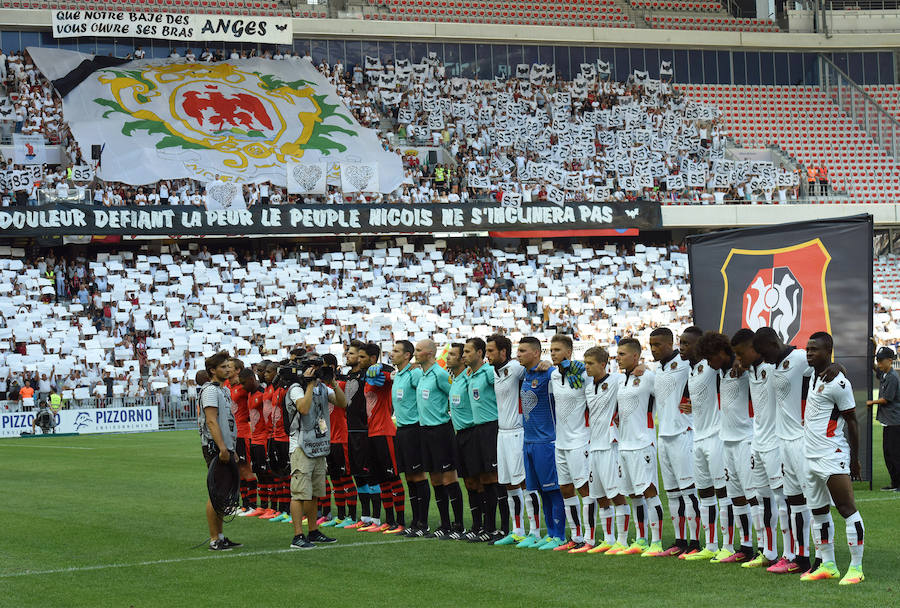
779,288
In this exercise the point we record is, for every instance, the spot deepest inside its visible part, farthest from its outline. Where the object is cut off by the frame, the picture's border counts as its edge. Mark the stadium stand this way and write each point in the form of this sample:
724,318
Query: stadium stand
807,125
142,320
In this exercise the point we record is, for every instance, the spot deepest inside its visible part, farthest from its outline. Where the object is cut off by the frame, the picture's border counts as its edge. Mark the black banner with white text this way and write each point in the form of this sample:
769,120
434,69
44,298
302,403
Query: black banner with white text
76,219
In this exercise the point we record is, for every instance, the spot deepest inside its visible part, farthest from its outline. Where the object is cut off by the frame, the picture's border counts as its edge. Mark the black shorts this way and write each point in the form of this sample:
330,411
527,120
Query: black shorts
209,452
439,448
360,454
242,449
409,449
486,440
384,458
279,459
259,461
338,461
467,452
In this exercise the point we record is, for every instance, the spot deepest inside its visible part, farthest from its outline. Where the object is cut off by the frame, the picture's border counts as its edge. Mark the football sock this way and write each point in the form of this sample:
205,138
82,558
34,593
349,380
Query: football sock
503,508
855,534
756,513
252,489
364,502
533,509
726,521
623,518
588,519
454,493
340,497
769,521
351,497
554,513
491,502
374,502
325,501
572,507
387,501
741,515
784,522
608,523
823,536
655,512
244,502
285,504
708,515
676,513
516,499
412,489
475,504
693,513
398,494
443,504
639,506
423,490
804,520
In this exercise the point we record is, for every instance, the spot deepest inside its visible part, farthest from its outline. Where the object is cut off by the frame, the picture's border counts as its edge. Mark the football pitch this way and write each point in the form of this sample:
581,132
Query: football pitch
111,521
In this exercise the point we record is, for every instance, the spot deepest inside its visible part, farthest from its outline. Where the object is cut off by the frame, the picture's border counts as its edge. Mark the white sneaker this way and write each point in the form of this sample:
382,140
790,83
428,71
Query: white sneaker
243,512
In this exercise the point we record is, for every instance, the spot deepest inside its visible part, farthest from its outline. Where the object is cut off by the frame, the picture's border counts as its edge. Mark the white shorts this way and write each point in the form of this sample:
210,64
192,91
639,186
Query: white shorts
738,479
709,470
676,460
511,456
606,473
794,461
765,469
572,466
818,471
638,469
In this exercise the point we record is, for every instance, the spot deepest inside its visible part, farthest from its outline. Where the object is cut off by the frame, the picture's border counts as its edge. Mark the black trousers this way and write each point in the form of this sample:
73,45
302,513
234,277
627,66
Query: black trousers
890,442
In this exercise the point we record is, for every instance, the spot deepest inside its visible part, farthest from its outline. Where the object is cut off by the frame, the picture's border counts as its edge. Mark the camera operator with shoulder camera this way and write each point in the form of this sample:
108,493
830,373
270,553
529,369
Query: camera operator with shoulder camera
218,435
43,419
307,417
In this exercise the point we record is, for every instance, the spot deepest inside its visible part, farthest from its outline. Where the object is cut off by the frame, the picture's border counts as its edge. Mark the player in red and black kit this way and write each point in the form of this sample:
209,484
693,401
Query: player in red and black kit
279,442
339,464
279,492
244,384
259,437
358,439
382,431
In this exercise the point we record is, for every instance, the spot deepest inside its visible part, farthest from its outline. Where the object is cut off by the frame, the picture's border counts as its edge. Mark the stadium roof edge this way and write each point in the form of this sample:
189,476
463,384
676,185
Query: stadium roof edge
31,19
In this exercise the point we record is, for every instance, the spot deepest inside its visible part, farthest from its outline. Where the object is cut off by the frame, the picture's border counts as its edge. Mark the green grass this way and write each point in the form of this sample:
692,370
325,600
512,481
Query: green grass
123,511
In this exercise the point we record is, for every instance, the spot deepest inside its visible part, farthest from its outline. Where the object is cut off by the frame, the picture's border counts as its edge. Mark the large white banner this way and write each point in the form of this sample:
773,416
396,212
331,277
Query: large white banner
243,120
92,420
170,26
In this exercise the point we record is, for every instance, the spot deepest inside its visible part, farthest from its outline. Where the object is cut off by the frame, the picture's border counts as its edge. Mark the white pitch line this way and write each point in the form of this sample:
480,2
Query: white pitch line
192,559
879,499
48,447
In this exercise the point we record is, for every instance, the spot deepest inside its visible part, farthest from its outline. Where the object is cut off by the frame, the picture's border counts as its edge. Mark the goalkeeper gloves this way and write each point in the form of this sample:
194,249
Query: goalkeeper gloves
573,371
375,376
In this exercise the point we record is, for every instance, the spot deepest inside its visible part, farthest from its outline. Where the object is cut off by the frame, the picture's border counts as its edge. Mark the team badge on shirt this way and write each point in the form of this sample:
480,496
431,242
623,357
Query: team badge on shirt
763,374
505,372
700,369
785,364
476,394
821,388
636,382
534,383
604,386
674,365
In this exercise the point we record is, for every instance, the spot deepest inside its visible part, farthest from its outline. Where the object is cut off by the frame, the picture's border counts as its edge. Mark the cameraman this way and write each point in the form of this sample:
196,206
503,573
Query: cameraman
44,419
309,446
217,433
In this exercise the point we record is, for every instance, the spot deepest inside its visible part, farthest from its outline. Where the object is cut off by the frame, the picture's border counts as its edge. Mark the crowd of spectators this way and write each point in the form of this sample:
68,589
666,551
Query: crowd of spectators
535,137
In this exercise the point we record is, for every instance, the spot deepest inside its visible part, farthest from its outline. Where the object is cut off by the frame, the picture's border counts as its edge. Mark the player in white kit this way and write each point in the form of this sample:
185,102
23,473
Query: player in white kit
567,382
709,468
602,390
736,433
508,375
765,457
832,463
676,440
790,376
637,449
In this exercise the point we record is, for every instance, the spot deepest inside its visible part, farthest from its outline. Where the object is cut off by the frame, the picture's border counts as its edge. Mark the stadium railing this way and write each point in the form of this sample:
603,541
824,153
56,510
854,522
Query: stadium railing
174,413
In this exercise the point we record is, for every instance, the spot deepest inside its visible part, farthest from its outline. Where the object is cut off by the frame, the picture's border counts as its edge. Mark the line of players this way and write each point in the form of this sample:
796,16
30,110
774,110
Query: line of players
741,439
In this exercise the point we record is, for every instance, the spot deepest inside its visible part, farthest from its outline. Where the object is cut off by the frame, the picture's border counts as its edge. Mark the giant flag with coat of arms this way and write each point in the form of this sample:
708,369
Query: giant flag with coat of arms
244,120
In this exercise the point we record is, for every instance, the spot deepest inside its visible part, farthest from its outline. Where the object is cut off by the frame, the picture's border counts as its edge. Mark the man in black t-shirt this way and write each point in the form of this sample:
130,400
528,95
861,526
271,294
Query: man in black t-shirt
888,403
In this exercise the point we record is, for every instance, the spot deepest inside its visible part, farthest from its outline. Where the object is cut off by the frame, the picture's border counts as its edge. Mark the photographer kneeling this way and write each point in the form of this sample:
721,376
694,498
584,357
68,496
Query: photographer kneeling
44,419
310,442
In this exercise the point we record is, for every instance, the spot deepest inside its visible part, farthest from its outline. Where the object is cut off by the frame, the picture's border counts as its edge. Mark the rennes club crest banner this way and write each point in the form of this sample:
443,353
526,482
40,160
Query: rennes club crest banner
246,119
797,278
